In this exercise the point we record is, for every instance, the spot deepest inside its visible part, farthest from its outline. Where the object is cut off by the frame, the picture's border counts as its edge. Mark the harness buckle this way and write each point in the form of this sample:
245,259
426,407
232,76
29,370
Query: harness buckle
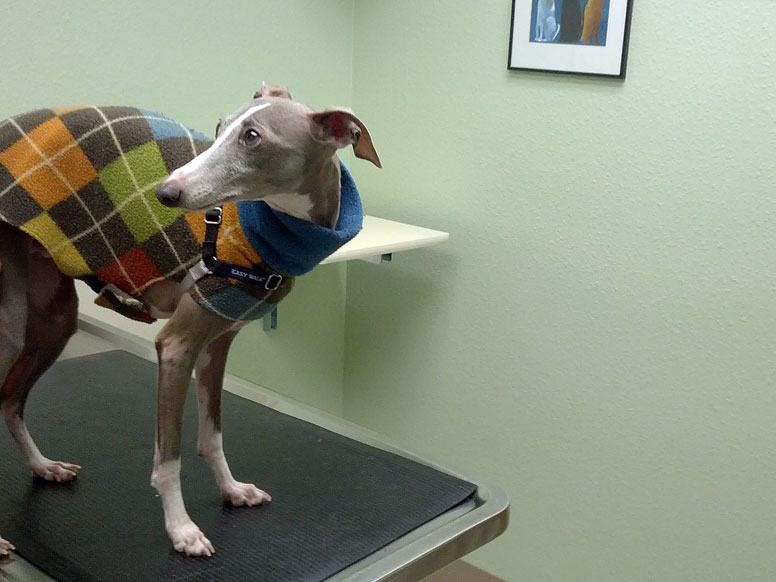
273,282
213,216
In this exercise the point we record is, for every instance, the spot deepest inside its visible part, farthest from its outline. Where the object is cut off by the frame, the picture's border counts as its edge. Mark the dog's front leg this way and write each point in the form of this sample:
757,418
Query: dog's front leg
178,346
210,378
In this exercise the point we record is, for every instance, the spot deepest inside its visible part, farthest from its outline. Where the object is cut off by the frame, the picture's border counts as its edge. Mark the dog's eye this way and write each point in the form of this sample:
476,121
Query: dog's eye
250,138
218,127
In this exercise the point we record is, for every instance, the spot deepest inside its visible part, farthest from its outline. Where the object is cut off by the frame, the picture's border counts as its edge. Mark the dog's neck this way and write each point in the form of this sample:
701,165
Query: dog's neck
318,199
297,205
293,246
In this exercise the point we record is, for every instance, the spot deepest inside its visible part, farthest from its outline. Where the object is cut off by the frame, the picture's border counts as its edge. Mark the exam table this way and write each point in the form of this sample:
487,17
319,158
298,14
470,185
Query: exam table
347,505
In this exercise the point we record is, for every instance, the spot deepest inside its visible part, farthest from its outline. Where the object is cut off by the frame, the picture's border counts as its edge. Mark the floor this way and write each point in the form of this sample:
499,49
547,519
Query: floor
461,571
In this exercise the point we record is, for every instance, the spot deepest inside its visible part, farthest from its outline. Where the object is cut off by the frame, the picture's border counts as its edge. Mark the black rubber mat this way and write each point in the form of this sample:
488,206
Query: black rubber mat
335,500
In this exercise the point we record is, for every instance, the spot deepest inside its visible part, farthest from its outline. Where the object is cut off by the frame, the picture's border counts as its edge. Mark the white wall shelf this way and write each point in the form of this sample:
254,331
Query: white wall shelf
378,240
384,237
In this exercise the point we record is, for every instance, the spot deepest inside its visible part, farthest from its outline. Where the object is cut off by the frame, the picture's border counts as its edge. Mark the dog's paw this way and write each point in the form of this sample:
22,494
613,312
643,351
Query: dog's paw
189,539
5,547
240,494
55,471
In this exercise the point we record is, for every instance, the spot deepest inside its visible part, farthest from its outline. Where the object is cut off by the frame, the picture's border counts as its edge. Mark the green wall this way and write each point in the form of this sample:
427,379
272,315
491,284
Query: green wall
598,335
196,61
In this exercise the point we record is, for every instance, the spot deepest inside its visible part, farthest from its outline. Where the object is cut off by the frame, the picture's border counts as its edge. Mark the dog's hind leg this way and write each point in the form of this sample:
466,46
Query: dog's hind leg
210,379
13,311
14,250
51,319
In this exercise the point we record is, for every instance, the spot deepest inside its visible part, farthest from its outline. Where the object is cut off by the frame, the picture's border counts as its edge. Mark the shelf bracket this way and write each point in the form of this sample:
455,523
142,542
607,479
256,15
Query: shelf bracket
270,320
377,259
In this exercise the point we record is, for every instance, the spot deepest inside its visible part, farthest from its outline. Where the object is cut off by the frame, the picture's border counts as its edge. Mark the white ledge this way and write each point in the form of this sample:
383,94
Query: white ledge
380,237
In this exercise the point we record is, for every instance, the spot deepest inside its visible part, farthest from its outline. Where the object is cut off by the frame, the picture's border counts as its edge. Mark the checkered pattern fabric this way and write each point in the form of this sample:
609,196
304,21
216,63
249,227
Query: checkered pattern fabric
81,181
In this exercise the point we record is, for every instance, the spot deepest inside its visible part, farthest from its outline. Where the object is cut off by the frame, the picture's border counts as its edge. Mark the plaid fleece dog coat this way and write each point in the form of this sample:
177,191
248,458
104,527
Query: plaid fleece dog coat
82,181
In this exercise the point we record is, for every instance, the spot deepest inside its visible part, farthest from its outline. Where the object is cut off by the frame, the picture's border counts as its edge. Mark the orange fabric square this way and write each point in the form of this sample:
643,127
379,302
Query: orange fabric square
51,137
20,158
64,169
196,222
75,167
45,186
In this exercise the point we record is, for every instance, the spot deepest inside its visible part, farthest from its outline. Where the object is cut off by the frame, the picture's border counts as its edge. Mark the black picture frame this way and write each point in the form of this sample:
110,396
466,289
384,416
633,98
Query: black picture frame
583,37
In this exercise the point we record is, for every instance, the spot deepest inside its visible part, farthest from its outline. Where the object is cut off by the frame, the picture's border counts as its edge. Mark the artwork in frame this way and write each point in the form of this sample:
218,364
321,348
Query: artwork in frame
587,37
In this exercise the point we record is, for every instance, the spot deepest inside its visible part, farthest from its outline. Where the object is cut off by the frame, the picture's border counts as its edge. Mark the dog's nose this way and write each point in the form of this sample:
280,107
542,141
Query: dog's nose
169,192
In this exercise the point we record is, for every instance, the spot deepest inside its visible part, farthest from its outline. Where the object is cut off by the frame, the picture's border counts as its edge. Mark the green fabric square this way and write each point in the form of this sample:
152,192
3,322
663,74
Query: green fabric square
136,198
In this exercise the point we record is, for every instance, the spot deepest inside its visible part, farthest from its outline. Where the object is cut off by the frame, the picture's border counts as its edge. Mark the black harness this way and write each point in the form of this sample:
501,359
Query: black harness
270,281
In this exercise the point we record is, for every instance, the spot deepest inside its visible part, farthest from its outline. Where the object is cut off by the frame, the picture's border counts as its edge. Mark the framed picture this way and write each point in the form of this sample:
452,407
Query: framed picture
588,37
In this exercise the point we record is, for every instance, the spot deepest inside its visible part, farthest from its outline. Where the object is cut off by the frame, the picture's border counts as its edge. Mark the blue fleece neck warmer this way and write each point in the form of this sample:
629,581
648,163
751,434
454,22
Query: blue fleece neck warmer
292,246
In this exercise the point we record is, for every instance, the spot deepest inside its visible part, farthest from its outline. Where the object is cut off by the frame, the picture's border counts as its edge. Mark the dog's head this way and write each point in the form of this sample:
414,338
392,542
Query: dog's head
272,146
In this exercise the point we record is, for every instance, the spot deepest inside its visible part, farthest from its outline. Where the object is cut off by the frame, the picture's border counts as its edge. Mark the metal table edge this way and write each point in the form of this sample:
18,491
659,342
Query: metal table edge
440,546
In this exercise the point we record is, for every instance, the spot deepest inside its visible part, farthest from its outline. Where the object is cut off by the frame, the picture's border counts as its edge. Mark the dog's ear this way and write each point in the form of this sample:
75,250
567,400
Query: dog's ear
273,91
339,127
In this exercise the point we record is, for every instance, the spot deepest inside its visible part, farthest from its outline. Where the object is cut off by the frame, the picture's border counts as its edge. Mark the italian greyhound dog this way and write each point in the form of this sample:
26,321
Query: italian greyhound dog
274,150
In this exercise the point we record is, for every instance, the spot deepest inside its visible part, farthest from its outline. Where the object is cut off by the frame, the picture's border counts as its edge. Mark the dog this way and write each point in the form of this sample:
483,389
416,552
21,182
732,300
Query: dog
547,27
164,223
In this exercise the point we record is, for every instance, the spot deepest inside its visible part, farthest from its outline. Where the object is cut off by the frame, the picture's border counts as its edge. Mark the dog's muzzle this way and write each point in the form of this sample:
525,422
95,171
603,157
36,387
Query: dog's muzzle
169,192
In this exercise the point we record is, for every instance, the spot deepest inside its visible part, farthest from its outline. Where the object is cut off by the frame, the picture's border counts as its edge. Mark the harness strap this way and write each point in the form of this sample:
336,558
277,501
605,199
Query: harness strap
209,264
